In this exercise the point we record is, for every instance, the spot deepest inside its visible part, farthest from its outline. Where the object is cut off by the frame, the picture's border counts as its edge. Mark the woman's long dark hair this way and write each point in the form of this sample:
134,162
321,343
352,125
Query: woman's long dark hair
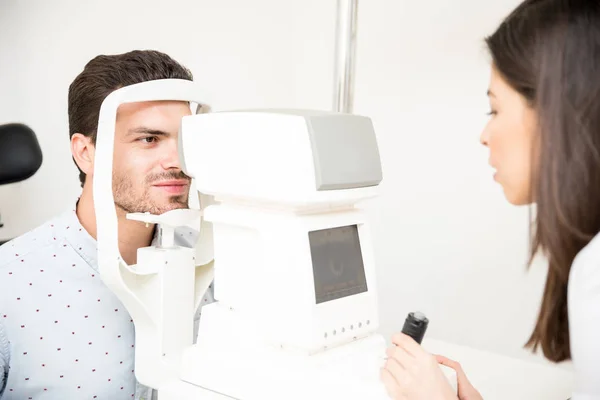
549,51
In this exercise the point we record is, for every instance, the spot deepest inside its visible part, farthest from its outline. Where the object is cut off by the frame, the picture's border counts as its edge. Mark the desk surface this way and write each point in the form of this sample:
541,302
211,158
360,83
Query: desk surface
496,377
499,377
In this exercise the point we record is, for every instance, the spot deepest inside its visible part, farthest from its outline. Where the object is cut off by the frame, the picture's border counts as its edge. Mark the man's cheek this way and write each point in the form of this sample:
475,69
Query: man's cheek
141,171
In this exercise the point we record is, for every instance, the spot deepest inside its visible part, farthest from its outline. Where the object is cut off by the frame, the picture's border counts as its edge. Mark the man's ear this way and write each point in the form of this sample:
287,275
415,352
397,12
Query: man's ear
83,151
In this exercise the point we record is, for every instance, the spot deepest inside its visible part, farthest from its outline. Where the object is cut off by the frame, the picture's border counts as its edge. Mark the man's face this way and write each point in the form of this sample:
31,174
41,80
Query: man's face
146,173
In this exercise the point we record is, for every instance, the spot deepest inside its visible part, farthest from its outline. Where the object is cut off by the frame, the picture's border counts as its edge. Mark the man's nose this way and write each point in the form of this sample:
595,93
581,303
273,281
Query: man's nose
170,157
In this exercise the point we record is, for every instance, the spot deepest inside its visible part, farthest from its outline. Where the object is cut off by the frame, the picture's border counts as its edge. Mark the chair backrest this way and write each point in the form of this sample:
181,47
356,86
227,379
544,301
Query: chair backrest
20,153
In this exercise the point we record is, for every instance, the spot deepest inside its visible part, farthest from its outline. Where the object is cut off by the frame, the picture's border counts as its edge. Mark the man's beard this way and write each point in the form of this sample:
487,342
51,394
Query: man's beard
131,202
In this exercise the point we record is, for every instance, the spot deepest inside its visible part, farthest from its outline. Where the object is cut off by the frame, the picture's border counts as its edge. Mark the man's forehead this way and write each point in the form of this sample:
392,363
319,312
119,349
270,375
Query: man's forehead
154,107
159,115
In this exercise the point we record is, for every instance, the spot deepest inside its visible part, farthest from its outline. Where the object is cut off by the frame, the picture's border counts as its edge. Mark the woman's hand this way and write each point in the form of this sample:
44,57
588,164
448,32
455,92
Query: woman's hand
410,373
466,391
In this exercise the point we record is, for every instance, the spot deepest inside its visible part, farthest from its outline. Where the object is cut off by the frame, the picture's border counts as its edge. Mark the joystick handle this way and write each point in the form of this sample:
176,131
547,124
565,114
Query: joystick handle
415,326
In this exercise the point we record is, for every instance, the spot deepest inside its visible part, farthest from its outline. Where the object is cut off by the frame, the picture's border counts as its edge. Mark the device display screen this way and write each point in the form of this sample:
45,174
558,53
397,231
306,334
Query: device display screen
337,261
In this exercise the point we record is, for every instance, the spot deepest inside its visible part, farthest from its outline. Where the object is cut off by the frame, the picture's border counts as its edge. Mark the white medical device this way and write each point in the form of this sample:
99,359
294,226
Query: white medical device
296,315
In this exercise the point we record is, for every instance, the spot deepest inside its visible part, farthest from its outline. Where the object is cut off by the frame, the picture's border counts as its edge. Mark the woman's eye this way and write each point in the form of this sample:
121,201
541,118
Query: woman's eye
491,112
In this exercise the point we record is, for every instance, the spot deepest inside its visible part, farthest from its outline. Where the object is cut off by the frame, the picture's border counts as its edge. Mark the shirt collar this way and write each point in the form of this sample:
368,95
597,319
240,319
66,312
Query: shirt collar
79,238
87,247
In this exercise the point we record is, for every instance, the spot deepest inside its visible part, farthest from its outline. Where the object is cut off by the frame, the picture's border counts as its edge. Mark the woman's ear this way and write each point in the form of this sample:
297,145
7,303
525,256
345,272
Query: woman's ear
82,150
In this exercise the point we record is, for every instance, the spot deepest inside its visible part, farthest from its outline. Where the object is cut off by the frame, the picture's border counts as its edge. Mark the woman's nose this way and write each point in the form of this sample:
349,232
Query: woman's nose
484,137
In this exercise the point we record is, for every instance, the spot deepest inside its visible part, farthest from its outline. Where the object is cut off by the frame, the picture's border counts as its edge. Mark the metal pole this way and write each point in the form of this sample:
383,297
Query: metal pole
345,54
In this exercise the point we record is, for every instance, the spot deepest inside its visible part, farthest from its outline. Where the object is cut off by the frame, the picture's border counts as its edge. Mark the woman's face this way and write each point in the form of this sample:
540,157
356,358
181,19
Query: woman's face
509,135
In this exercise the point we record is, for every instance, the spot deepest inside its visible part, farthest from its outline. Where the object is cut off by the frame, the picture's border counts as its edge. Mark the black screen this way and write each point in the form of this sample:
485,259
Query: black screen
338,267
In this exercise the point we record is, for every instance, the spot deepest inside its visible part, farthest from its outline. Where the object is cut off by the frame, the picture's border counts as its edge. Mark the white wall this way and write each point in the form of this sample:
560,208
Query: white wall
243,59
446,241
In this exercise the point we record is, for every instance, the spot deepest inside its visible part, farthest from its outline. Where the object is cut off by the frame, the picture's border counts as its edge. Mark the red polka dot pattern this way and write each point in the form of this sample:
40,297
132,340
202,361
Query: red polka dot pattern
69,334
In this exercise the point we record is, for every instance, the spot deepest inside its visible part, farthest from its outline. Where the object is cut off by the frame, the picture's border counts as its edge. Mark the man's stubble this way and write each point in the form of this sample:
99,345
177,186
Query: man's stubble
129,201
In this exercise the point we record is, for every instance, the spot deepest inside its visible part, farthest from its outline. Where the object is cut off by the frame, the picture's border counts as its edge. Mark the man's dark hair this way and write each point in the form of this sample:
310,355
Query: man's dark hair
549,52
107,73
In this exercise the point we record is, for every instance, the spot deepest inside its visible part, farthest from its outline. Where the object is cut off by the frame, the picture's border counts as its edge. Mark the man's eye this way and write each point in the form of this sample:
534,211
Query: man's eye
148,139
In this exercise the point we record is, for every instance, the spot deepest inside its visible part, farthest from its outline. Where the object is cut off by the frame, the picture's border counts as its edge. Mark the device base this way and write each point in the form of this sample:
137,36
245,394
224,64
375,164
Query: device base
230,360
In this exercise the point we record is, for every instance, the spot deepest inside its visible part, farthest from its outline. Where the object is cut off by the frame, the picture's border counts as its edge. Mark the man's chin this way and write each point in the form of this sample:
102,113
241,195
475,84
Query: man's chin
171,203
176,206
156,208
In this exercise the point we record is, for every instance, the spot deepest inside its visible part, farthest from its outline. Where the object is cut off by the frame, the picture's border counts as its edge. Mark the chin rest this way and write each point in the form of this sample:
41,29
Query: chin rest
20,153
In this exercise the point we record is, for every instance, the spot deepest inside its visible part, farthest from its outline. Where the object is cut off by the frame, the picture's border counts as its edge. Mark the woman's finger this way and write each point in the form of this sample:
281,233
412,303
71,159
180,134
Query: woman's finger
465,387
401,356
406,342
451,364
390,383
447,362
396,369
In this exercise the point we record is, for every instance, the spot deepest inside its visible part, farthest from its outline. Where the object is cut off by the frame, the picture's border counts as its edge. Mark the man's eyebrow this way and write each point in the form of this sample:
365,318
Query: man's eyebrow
147,131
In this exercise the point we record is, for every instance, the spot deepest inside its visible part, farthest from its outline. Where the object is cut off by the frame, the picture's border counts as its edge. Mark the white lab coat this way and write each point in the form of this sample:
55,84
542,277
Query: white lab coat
584,321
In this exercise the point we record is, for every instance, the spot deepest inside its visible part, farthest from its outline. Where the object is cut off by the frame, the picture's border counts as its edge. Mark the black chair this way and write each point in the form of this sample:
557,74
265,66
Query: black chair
20,154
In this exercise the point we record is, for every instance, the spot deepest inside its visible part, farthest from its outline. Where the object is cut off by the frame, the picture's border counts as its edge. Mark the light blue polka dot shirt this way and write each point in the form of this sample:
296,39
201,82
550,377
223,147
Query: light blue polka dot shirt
63,334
